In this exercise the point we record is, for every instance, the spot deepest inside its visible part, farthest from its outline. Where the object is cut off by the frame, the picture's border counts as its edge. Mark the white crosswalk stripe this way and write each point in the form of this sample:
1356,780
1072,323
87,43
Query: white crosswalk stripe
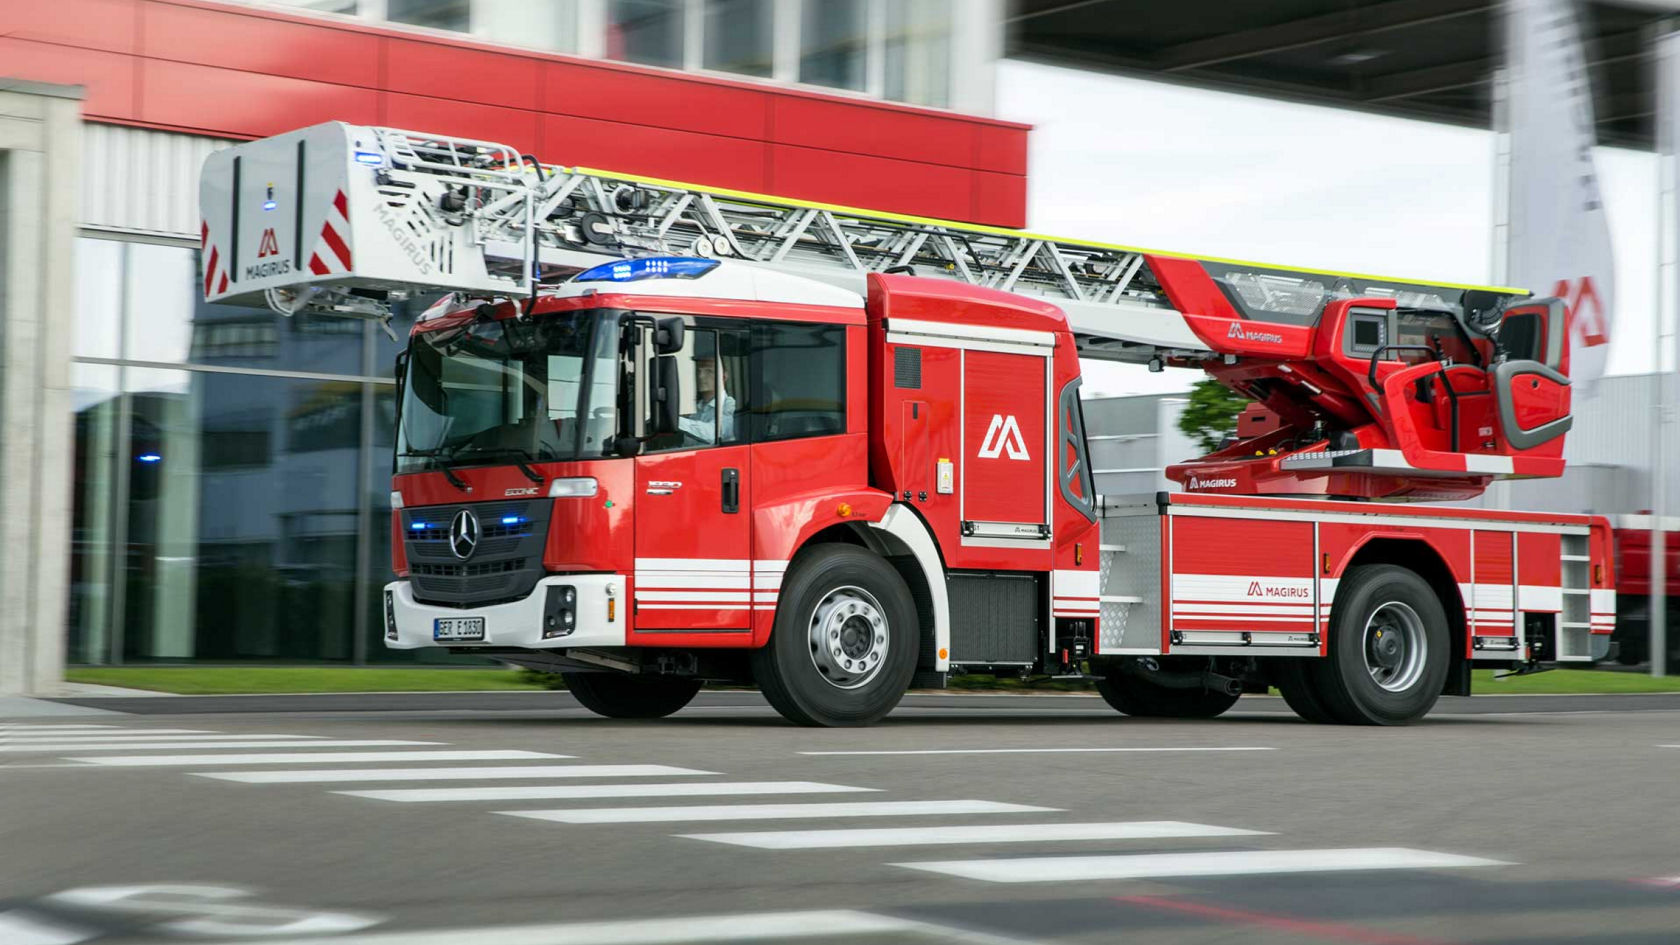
827,925
1061,869
206,746
533,772
1041,751
969,833
569,791
6,735
314,757
716,812
182,740
30,727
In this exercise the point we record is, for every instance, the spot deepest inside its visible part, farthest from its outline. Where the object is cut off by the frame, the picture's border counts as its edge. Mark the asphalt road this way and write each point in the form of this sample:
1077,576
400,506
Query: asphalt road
518,818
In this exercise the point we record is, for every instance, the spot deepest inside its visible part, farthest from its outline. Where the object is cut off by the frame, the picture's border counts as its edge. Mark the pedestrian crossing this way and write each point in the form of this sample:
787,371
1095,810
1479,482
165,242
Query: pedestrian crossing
597,792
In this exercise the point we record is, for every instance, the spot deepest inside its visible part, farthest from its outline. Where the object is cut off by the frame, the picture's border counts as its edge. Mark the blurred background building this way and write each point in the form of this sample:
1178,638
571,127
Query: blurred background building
230,466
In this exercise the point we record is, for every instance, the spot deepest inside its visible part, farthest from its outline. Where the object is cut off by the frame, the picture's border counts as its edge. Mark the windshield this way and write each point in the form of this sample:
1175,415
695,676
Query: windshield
491,391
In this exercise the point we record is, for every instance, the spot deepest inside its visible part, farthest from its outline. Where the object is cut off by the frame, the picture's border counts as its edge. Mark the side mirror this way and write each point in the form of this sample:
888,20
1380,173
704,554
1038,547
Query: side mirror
665,395
668,335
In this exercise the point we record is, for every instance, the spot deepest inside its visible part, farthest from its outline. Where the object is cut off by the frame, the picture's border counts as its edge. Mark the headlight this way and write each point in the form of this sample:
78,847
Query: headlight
578,487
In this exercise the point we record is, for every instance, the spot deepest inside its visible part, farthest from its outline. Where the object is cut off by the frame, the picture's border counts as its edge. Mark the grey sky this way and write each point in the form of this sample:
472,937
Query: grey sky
1163,166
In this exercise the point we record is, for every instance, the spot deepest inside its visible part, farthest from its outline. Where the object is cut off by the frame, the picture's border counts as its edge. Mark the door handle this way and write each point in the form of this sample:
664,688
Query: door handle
731,490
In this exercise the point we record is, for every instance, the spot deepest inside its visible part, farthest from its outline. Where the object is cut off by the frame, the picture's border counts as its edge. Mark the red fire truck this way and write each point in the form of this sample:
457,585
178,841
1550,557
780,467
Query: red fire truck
653,434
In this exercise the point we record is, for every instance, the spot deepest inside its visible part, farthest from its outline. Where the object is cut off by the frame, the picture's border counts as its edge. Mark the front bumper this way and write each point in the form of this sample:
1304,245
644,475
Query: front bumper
599,616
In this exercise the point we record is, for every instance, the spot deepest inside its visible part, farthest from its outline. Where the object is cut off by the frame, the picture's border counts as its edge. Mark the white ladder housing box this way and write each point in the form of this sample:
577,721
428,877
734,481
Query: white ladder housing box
342,207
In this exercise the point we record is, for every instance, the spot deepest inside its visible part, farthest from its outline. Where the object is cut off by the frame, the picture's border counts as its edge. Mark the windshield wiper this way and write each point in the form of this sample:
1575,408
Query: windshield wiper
442,467
524,456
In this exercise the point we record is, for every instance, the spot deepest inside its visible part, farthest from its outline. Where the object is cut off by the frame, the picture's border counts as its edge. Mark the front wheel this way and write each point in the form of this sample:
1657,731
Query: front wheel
845,641
1388,648
622,696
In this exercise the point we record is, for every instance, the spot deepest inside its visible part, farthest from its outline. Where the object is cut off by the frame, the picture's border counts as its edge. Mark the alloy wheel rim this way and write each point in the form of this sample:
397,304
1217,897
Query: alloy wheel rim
848,637
1395,646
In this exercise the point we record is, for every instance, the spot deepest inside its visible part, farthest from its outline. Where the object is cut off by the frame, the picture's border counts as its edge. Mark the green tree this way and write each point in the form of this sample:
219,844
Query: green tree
1211,414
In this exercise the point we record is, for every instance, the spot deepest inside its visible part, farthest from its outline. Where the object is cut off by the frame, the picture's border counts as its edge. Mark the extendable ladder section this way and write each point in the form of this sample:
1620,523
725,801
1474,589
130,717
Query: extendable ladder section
425,212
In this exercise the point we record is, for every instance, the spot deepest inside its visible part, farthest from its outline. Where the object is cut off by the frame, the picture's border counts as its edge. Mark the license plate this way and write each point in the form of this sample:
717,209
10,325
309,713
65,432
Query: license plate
457,629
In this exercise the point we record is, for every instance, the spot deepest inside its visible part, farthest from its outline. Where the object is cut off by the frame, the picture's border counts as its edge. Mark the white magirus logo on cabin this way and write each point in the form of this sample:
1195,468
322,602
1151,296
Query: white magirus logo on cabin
1004,437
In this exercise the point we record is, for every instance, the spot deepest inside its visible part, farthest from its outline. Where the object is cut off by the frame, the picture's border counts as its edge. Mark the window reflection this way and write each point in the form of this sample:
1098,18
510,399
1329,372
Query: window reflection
739,36
918,52
239,530
453,15
646,31
98,298
833,43
96,403
549,24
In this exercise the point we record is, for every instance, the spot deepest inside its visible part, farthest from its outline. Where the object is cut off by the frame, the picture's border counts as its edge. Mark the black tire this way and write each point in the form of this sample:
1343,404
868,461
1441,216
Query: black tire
1140,698
623,696
1344,680
1294,681
787,668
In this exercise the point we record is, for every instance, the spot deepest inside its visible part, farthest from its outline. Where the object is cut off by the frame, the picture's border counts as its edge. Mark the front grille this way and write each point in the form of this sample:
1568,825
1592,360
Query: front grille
505,565
468,570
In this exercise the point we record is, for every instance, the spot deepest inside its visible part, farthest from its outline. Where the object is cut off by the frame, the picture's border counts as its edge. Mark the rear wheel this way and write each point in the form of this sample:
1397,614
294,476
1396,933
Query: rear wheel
845,640
1293,678
622,696
1388,648
1135,695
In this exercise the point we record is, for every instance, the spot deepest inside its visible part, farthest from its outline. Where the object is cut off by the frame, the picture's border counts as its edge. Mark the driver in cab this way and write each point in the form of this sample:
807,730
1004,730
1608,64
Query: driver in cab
708,424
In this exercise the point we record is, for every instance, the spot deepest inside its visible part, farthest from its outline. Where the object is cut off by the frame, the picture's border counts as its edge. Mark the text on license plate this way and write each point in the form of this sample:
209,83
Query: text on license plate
458,628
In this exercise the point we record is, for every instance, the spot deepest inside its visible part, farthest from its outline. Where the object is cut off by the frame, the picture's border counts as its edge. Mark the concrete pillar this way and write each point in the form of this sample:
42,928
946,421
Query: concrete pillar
40,158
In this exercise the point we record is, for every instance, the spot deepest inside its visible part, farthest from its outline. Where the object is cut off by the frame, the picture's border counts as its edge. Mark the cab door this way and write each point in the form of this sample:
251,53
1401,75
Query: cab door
693,522
1531,392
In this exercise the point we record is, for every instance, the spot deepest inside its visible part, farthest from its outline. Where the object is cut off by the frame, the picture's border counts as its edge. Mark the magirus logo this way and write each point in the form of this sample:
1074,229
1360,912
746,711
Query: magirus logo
1003,438
1240,333
1219,483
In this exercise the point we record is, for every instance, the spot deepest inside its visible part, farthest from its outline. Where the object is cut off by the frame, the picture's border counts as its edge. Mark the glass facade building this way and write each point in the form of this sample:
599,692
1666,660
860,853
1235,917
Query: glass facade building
899,50
232,489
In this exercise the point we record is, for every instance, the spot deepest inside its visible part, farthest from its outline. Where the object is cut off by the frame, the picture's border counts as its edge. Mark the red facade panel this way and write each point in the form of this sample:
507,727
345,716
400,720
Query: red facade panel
662,101
107,77
876,183
1001,149
999,199
444,70
245,104
234,72
871,129
232,40
733,163
88,24
510,126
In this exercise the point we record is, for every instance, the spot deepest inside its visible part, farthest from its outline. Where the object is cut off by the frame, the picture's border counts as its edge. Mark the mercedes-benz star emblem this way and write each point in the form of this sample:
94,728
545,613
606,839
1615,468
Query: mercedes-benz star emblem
463,533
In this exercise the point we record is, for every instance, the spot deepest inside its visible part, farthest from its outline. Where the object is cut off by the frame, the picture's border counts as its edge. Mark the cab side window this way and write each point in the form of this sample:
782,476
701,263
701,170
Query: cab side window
711,384
799,381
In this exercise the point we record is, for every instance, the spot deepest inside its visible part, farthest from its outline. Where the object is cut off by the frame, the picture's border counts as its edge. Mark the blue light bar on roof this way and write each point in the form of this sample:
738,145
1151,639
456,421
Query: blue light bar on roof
370,158
651,267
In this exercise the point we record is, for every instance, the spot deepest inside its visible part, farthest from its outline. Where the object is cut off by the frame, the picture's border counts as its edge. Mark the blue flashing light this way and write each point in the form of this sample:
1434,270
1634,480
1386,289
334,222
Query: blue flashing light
370,158
269,205
419,526
149,458
651,267
511,520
